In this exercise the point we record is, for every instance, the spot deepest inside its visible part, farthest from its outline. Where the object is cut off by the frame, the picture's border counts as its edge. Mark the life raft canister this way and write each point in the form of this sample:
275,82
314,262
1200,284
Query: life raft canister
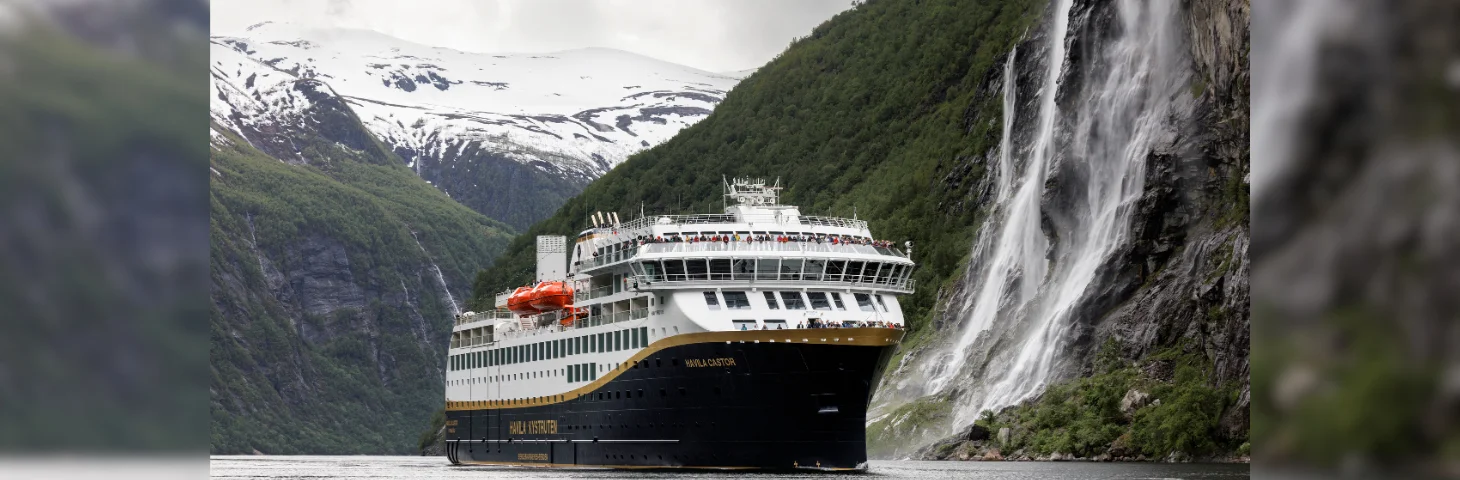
520,302
550,296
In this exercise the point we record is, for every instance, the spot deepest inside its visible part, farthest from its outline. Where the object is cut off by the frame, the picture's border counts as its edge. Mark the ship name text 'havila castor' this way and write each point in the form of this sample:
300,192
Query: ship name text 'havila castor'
751,339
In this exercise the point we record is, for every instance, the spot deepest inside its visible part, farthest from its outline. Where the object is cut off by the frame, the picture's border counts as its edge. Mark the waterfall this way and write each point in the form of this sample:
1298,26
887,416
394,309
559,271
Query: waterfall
1018,254
1090,154
455,310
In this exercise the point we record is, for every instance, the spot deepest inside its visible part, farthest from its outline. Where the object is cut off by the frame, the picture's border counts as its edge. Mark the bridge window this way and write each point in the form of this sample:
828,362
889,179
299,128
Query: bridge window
818,300
770,301
814,269
736,301
835,269
837,299
742,269
793,300
720,269
766,268
854,271
697,269
712,301
674,270
864,302
790,270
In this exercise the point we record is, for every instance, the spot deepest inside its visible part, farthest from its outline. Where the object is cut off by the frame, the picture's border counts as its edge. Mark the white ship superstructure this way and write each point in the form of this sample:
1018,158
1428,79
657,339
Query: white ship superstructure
659,281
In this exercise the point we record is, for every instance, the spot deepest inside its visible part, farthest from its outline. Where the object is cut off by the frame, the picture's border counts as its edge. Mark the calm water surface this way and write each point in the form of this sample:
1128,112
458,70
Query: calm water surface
263,467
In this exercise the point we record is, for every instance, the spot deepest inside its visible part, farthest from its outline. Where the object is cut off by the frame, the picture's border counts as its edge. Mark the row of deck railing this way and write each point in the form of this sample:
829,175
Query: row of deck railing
733,246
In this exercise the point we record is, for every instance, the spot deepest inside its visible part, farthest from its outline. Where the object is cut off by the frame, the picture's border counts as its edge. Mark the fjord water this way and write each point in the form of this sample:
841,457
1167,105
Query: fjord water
1066,185
264,467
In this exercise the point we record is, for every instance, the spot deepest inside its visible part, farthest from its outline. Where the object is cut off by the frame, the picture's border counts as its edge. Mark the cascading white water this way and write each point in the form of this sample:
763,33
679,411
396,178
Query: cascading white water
1019,251
455,310
1123,111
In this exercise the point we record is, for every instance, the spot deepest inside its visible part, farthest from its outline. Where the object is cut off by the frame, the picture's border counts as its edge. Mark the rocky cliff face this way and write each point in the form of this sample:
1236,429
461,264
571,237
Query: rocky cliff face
1175,282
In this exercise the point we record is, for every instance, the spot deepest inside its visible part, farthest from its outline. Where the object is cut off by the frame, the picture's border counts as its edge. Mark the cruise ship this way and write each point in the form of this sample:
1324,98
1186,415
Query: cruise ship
751,339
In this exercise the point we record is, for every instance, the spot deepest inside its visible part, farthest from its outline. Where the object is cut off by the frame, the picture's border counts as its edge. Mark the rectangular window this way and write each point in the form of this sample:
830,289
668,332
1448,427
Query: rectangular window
745,325
601,341
882,303
837,299
712,301
790,270
643,337
775,324
854,272
618,340
864,302
737,301
770,301
593,371
720,269
793,300
818,300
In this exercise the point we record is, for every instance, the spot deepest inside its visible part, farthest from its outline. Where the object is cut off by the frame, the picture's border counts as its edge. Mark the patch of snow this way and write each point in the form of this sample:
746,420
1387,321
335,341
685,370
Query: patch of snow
573,113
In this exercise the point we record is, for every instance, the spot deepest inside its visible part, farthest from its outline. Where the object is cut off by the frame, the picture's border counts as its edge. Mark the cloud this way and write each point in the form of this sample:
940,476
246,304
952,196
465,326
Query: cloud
711,35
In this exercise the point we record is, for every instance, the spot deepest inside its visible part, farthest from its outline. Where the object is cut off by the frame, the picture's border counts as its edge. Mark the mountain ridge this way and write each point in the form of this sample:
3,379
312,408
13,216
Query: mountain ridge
509,135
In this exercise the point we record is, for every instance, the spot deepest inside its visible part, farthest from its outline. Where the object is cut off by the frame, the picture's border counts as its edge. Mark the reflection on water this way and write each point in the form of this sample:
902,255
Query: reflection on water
436,467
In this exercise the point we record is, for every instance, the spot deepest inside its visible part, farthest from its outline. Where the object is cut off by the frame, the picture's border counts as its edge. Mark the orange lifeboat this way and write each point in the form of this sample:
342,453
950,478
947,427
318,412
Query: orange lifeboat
550,296
520,302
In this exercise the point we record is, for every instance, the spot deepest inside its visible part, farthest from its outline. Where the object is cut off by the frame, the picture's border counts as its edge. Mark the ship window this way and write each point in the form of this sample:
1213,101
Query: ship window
854,272
572,371
793,300
600,343
835,269
790,270
818,300
720,269
883,271
736,301
770,300
643,337
697,269
864,302
882,303
744,324
652,271
837,299
766,268
775,324
618,340
742,268
814,269
712,301
674,270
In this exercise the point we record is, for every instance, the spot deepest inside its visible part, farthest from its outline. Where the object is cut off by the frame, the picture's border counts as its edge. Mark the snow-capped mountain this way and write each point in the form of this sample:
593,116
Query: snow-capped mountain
510,135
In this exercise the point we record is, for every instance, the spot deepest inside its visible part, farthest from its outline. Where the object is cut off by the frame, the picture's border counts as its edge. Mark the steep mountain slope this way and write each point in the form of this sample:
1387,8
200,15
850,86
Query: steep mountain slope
1122,164
101,233
511,136
333,271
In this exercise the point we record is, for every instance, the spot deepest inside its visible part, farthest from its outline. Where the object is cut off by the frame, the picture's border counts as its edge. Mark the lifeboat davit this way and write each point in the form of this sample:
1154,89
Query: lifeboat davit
550,296
520,302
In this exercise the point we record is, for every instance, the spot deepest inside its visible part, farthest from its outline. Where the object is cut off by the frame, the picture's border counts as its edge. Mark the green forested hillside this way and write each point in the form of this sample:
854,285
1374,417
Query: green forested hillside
329,321
865,116
100,232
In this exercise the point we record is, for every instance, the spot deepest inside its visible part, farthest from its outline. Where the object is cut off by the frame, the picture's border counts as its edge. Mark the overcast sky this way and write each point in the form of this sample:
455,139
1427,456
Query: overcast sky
719,36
